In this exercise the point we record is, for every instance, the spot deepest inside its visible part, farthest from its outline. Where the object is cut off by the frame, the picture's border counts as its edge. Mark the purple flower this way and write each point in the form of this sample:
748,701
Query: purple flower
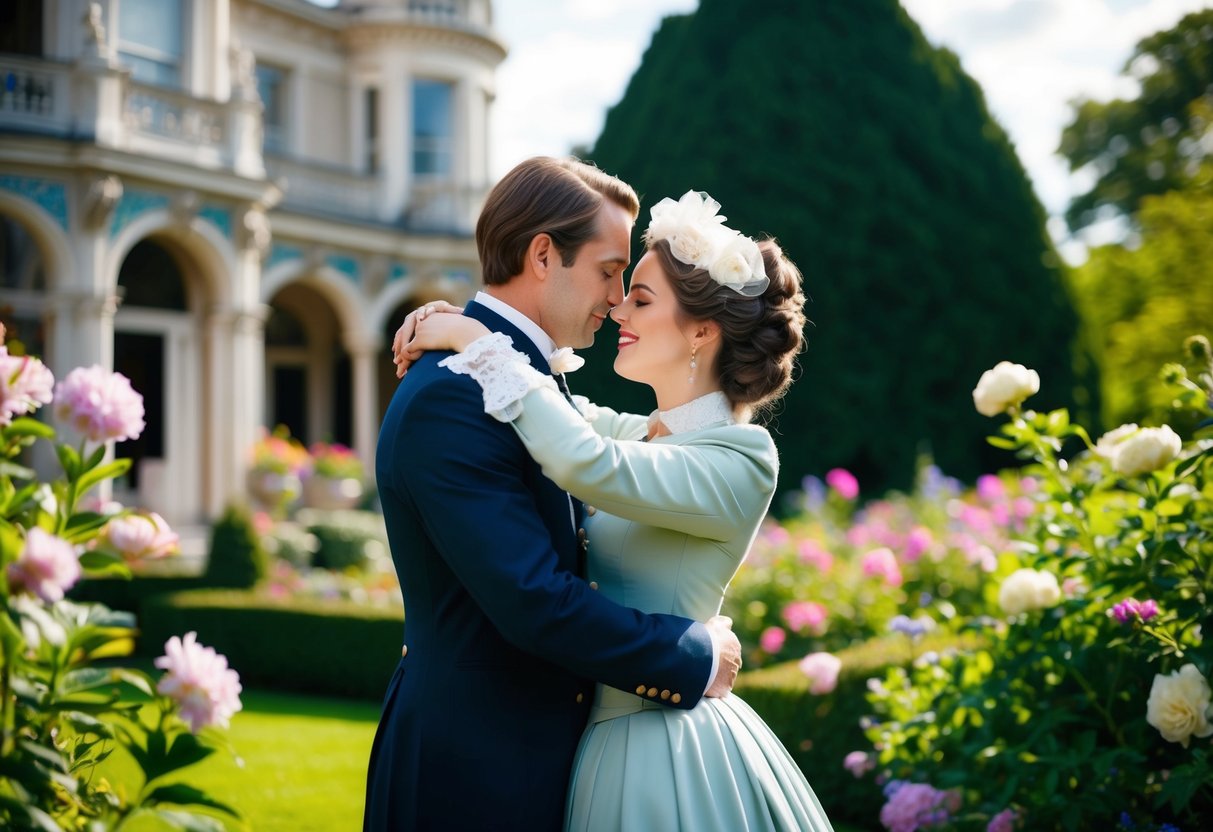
915,628
25,385
1131,610
200,681
990,488
843,482
859,763
914,806
1004,821
814,493
100,404
47,567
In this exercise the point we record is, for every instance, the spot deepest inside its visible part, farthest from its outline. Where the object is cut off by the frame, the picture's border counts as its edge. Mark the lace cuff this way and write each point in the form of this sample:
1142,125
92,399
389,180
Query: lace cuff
504,374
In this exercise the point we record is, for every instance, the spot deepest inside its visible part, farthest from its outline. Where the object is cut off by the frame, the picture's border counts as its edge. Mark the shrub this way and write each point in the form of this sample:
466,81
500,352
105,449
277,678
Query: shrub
237,558
345,539
337,648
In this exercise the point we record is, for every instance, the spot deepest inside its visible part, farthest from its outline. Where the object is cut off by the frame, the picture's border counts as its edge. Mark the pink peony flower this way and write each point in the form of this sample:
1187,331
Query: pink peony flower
882,563
25,385
775,535
918,541
914,806
100,404
141,537
199,681
843,482
1004,821
772,639
47,567
990,488
859,763
822,670
814,554
806,615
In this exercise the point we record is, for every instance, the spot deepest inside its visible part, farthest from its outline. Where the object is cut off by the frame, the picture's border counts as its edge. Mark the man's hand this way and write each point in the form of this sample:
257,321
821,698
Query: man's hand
730,656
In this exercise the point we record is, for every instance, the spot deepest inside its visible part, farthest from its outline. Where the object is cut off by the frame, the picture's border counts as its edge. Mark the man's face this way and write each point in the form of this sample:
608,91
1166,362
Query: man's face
577,298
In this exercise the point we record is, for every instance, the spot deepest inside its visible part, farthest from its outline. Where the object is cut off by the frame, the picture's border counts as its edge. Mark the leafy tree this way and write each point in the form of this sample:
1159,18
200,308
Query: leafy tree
1155,142
1138,304
838,128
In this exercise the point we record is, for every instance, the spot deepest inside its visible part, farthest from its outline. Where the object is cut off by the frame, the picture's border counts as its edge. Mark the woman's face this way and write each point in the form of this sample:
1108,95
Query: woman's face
653,333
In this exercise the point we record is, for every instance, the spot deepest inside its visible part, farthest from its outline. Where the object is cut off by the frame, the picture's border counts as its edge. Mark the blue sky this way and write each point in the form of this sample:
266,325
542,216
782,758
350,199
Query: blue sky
1032,57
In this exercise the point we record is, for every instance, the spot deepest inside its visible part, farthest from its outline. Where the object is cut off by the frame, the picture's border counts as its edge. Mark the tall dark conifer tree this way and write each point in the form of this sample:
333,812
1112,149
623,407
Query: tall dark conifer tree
835,126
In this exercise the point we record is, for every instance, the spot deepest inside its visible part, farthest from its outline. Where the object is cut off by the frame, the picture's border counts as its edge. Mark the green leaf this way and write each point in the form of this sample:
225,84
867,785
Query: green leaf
188,821
114,469
69,459
94,458
83,524
98,563
999,442
17,472
183,794
26,426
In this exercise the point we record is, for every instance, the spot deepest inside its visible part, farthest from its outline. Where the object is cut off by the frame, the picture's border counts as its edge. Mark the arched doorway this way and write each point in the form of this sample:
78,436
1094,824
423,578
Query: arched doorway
385,370
157,345
23,282
308,377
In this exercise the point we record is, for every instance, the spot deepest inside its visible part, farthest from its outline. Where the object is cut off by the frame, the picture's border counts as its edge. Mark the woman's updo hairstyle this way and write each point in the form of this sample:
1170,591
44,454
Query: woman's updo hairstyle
760,335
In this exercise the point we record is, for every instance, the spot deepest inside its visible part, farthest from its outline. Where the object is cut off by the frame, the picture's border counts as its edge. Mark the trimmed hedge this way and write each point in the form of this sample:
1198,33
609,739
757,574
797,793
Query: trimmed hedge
820,731
323,647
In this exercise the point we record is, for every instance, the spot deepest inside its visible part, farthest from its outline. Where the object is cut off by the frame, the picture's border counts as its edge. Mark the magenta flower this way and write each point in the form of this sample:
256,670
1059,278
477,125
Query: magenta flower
814,554
822,670
1131,610
843,482
141,537
47,567
914,806
1004,821
806,615
859,763
199,681
100,404
990,488
882,563
772,639
25,385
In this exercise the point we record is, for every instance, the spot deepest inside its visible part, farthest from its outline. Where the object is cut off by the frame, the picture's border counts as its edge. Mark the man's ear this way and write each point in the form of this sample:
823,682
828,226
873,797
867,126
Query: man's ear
540,255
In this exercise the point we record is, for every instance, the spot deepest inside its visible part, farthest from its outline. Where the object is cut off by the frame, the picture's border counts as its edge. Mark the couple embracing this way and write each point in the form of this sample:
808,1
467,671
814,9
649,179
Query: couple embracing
563,565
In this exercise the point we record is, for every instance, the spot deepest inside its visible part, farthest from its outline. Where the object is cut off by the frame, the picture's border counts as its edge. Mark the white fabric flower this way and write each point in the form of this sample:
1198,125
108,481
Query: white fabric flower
738,263
564,360
1179,705
1025,590
698,237
1146,450
1003,386
693,209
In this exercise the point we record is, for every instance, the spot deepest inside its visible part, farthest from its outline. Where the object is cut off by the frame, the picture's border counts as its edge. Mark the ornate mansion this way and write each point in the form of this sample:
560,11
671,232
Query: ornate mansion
234,202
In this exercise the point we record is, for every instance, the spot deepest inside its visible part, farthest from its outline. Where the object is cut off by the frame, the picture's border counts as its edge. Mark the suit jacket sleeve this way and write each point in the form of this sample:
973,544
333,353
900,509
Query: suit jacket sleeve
466,474
712,486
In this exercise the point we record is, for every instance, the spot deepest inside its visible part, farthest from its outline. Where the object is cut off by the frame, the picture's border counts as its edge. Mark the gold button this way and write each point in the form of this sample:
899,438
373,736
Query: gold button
652,692
580,698
676,698
640,690
665,694
404,651
593,584
590,511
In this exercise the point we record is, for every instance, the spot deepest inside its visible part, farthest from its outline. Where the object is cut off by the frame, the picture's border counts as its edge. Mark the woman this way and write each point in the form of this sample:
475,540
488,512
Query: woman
712,322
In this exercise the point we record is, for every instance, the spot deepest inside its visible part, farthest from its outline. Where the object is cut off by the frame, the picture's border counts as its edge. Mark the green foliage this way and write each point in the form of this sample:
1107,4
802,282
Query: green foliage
345,649
838,128
345,539
820,730
1137,302
237,559
1061,713
1150,144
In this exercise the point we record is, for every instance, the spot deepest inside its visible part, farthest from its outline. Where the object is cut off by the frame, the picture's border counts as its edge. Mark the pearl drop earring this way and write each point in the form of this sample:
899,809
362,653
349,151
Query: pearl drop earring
691,379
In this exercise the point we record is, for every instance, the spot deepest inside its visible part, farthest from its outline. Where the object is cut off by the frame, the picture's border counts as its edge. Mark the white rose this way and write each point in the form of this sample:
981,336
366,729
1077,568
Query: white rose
668,218
694,246
1006,385
1027,589
564,360
1109,443
1146,450
738,261
1179,705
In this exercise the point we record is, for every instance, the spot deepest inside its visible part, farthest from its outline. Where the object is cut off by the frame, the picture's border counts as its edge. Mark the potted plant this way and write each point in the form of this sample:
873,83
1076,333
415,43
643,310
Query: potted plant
335,479
274,477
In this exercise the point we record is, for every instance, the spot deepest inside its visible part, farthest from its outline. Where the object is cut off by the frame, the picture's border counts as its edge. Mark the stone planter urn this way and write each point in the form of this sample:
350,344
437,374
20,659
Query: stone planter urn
272,490
332,493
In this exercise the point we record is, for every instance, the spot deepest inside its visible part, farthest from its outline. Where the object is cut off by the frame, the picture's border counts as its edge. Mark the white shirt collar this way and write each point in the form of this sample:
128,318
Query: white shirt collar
696,414
529,328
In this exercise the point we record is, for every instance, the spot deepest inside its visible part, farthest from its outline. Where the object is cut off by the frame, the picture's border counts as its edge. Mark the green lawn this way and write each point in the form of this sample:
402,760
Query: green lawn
302,765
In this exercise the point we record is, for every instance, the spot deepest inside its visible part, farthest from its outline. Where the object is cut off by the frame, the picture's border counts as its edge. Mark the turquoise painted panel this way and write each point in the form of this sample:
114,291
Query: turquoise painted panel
280,253
398,272
219,217
345,264
50,196
462,275
133,204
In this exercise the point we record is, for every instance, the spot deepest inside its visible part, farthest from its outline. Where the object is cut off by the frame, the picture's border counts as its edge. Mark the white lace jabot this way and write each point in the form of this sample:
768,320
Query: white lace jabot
695,414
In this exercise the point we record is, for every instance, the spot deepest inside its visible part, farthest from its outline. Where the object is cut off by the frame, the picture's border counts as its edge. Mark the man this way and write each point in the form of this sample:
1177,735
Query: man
504,637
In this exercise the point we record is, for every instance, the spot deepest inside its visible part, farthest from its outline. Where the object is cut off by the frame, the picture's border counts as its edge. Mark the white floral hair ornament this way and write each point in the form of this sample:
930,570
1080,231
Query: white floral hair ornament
698,237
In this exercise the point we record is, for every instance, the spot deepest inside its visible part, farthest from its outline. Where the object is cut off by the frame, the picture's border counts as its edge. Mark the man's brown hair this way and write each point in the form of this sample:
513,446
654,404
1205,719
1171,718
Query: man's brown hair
544,195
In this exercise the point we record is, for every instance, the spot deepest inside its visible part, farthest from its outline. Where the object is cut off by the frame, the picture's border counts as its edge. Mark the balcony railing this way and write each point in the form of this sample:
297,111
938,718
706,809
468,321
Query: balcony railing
35,94
443,207
320,189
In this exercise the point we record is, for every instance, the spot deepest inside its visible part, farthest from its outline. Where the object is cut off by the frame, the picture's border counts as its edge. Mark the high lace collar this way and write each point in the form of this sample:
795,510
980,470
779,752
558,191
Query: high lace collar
696,414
